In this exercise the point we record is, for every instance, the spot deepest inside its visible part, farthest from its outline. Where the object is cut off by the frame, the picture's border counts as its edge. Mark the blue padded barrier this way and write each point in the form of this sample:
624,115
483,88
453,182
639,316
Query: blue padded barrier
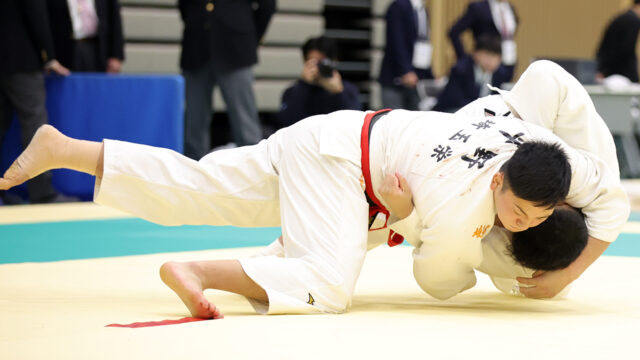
146,109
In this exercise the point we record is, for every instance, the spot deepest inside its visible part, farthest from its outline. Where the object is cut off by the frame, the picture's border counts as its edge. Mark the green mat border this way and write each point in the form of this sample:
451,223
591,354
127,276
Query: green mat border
69,240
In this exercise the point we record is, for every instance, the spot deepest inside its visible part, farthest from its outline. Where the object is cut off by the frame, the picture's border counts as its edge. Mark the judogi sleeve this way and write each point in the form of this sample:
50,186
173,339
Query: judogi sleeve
408,227
595,189
599,194
496,258
448,247
443,265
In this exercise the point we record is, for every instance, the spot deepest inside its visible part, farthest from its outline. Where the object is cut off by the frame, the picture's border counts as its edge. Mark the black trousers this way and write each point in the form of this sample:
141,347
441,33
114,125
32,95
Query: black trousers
85,57
24,93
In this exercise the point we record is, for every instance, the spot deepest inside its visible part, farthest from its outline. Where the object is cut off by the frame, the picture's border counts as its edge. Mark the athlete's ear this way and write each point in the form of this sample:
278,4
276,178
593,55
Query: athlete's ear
497,180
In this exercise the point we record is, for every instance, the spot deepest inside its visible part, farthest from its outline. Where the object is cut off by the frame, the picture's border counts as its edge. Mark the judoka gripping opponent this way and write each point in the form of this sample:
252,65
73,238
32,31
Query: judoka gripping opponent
308,179
548,96
551,246
558,102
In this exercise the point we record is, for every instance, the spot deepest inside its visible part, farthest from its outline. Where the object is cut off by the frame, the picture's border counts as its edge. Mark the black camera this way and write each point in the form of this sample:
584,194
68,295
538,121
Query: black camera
326,68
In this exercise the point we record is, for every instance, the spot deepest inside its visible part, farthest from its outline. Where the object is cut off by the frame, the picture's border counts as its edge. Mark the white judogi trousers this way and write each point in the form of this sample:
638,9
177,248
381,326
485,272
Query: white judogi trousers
324,229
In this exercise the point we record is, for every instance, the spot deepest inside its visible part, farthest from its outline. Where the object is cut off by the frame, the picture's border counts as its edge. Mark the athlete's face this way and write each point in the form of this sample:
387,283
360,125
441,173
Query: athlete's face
515,214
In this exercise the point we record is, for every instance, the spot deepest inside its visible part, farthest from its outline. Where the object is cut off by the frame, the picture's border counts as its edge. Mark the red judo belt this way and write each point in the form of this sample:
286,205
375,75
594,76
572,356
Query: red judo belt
375,206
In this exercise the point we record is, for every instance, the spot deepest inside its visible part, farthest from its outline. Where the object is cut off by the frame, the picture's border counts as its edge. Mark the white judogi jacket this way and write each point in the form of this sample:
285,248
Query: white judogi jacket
453,204
548,96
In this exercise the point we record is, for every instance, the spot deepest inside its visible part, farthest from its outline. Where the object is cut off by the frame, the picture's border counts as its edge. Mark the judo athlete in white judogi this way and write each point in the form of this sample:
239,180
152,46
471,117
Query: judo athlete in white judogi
308,179
548,96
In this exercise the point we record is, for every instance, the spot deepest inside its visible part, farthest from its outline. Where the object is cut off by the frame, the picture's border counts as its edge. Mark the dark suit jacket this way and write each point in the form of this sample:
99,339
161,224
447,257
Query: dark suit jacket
226,36
401,36
462,87
25,36
477,18
617,51
303,100
109,37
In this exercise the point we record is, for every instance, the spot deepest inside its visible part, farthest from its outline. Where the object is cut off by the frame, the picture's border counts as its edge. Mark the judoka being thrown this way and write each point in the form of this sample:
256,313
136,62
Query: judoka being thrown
465,174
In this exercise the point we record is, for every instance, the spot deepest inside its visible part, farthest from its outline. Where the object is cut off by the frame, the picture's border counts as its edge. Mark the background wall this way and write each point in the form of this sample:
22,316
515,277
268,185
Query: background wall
547,28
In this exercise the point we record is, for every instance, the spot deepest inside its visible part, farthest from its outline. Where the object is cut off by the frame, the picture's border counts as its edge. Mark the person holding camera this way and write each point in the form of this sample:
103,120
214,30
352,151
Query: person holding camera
320,89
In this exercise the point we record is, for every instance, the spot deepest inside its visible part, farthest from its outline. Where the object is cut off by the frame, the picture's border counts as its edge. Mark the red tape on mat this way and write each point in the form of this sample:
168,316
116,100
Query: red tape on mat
156,323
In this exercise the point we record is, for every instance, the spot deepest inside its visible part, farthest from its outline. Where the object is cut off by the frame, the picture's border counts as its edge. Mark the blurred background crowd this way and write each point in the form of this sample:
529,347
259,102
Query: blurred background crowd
247,68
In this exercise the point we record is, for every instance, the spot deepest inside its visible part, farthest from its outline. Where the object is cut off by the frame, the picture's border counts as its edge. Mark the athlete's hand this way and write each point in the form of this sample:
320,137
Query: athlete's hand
396,194
545,284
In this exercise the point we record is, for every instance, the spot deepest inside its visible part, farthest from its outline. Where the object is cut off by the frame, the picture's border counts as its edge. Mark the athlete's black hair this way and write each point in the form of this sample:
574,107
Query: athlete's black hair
538,172
552,245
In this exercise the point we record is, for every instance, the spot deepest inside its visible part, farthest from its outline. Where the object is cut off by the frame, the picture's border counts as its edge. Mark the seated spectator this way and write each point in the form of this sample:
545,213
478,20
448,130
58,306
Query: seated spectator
489,18
320,89
470,75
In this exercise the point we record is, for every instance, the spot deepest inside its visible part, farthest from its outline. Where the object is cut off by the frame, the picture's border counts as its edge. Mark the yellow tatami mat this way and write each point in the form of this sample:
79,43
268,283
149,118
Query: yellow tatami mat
18,214
59,310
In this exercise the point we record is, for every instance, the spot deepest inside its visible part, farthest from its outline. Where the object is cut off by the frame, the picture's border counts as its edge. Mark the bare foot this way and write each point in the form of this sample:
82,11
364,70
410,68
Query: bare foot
37,158
183,279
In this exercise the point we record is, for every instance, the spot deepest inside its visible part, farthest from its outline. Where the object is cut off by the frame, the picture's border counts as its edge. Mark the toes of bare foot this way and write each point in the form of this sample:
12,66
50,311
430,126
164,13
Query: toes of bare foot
215,311
186,284
37,158
14,176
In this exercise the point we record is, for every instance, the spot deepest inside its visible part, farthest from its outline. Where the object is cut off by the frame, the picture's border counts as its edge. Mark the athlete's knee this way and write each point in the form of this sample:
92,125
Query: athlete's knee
335,296
335,299
334,291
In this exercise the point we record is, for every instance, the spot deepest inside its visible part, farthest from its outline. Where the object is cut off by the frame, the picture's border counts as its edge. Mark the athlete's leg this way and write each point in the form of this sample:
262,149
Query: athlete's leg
229,187
232,187
276,248
50,149
190,279
324,227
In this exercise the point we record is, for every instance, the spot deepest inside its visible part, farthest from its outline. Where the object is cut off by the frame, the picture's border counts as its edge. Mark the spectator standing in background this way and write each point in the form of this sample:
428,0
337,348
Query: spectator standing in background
87,34
320,89
493,18
470,75
219,47
407,54
26,49
617,52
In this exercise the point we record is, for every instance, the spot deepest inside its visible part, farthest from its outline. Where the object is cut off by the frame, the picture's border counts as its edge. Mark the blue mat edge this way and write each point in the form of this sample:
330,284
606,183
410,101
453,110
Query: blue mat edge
88,239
